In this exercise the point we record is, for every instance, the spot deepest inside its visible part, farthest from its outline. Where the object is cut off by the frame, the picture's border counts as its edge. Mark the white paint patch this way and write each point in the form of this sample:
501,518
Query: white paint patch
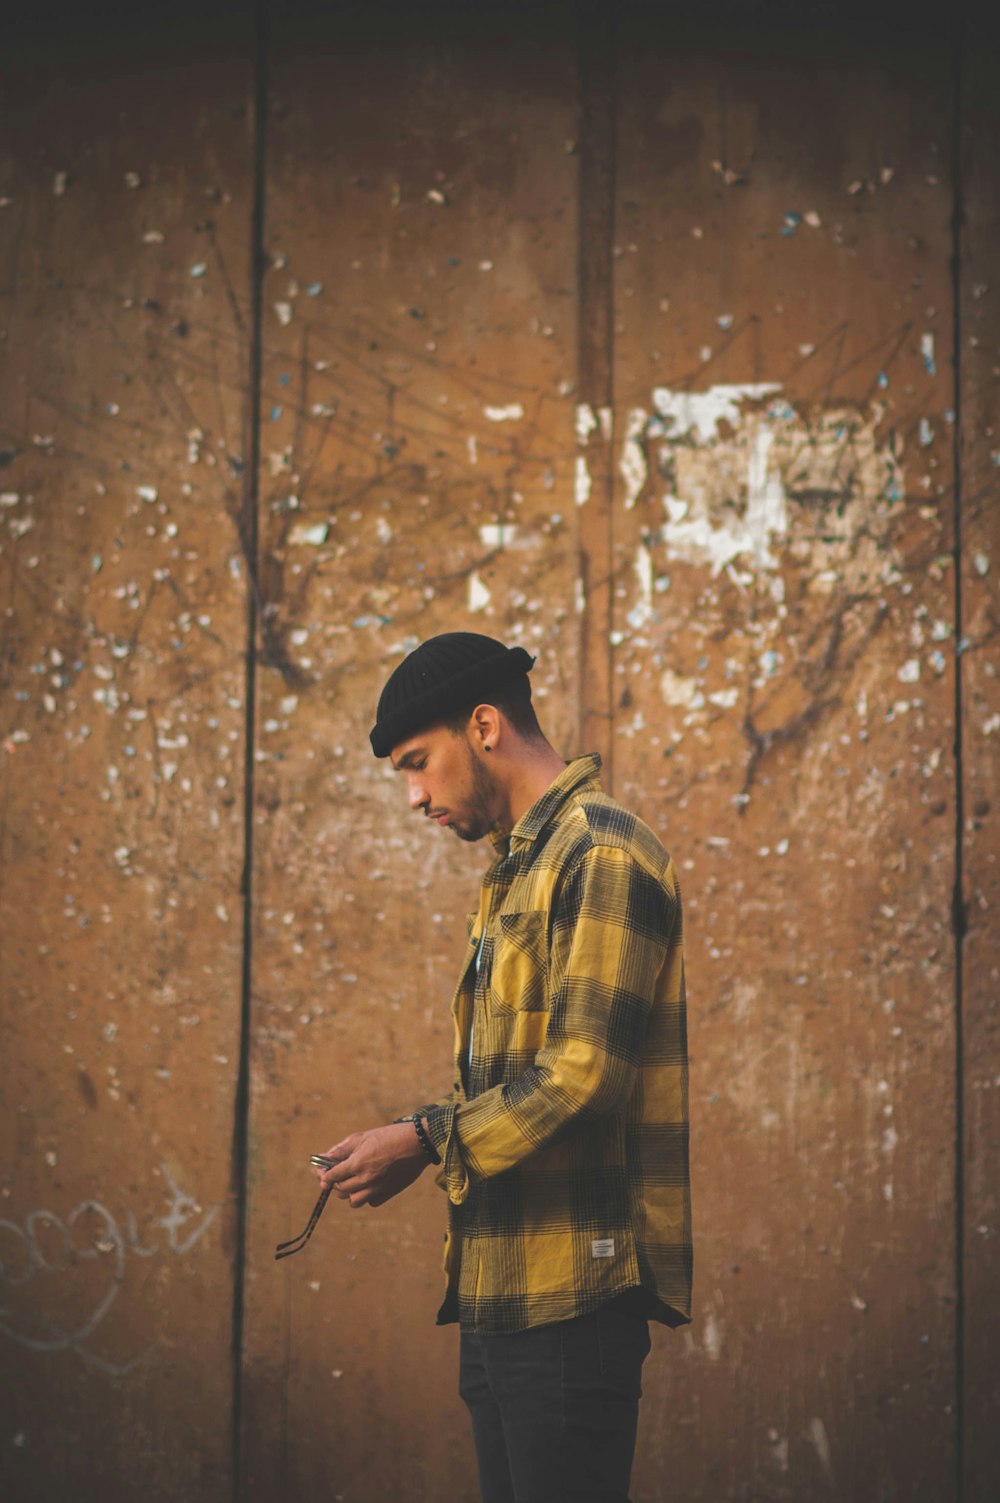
927,353
479,595
632,466
582,482
512,413
739,475
702,410
642,612
766,510
817,1434
586,422
720,536
712,1336
313,534
699,540
497,534
680,691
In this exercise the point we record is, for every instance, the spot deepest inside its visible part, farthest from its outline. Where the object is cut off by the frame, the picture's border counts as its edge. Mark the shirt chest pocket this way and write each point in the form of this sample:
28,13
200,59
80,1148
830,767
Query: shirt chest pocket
518,976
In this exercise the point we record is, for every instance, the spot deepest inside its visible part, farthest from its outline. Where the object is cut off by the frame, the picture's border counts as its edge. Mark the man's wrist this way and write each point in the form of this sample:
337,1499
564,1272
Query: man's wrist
421,1137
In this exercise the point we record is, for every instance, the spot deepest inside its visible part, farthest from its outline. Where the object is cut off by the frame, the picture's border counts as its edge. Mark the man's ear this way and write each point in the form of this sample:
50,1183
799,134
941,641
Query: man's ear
486,726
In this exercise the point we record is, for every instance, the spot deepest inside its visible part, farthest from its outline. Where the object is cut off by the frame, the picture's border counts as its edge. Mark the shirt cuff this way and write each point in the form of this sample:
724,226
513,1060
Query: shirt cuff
442,1131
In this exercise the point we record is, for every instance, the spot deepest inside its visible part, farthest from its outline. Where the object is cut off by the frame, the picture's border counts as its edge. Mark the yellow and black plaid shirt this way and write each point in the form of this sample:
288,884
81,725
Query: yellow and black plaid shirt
564,1140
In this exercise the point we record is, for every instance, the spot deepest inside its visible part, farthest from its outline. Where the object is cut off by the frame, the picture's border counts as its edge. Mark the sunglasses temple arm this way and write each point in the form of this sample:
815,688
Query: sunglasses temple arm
295,1244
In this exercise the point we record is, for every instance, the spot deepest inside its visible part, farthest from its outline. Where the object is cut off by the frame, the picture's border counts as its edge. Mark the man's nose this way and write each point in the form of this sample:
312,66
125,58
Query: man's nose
415,793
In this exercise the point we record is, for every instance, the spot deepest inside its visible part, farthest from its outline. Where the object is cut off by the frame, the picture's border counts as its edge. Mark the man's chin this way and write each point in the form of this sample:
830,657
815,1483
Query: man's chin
468,833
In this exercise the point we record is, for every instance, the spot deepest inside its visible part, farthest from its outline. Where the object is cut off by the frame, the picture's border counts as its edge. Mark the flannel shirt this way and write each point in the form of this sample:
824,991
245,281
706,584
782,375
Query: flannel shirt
564,1140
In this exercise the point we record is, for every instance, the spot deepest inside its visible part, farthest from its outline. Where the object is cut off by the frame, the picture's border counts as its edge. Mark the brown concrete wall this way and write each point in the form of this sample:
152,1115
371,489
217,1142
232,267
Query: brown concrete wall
124,418
671,354
978,516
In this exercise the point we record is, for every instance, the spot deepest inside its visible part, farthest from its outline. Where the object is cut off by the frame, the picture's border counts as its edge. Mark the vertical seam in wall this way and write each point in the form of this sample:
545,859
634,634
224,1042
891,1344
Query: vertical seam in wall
612,148
596,66
250,541
958,900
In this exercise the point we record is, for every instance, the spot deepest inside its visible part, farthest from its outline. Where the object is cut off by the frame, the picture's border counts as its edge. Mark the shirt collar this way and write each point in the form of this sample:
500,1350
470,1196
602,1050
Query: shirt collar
581,772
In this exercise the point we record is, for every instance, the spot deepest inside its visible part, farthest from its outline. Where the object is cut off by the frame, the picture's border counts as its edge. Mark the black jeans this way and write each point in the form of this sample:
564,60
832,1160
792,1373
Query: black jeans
554,1408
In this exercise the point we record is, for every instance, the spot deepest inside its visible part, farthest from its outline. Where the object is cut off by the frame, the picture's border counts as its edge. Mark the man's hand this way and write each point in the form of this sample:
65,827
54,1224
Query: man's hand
375,1165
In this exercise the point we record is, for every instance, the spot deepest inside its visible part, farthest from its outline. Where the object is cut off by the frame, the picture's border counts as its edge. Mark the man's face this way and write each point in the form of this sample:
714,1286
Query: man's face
448,780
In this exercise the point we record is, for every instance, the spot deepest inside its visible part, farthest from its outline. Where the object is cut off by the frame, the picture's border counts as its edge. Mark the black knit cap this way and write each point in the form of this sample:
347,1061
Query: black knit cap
439,677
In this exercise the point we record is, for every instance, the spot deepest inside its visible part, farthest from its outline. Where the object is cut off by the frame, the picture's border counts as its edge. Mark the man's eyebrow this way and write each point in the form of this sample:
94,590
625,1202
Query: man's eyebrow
408,758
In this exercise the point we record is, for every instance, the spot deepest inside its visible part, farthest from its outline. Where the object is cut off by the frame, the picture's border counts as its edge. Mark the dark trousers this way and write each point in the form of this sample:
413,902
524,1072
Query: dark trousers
554,1408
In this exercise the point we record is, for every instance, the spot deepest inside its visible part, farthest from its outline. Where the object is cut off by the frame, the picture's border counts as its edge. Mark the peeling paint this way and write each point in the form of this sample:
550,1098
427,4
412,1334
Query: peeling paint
479,595
737,479
633,467
512,413
586,422
314,534
642,612
817,1434
685,410
927,353
582,481
677,690
712,1335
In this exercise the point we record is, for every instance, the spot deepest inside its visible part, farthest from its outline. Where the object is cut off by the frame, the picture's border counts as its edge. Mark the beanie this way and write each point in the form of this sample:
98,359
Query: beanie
439,677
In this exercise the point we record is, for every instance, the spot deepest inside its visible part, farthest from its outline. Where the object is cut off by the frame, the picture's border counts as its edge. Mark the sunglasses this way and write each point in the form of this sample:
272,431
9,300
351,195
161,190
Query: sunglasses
296,1244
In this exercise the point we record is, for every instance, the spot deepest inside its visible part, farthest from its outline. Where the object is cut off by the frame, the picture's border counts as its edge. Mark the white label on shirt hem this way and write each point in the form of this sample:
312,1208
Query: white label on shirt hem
602,1247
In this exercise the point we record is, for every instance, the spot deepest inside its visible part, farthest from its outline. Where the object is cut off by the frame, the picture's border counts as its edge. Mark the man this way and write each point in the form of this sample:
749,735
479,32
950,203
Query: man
563,1143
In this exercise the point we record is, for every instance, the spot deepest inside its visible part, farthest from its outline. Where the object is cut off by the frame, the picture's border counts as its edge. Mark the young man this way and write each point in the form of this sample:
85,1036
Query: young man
563,1142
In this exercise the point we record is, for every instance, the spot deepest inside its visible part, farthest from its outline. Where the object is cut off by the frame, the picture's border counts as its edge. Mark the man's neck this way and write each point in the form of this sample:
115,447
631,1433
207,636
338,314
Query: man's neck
533,773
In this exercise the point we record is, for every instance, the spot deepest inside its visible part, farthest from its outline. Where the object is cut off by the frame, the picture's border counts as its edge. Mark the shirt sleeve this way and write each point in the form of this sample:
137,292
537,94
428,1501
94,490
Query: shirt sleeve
440,1104
611,928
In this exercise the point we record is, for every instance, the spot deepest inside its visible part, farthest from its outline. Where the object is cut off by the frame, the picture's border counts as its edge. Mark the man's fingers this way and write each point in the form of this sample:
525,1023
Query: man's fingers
347,1184
338,1173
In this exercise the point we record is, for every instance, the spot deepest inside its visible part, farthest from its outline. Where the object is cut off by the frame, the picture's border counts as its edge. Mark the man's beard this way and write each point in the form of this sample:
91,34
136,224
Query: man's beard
478,818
